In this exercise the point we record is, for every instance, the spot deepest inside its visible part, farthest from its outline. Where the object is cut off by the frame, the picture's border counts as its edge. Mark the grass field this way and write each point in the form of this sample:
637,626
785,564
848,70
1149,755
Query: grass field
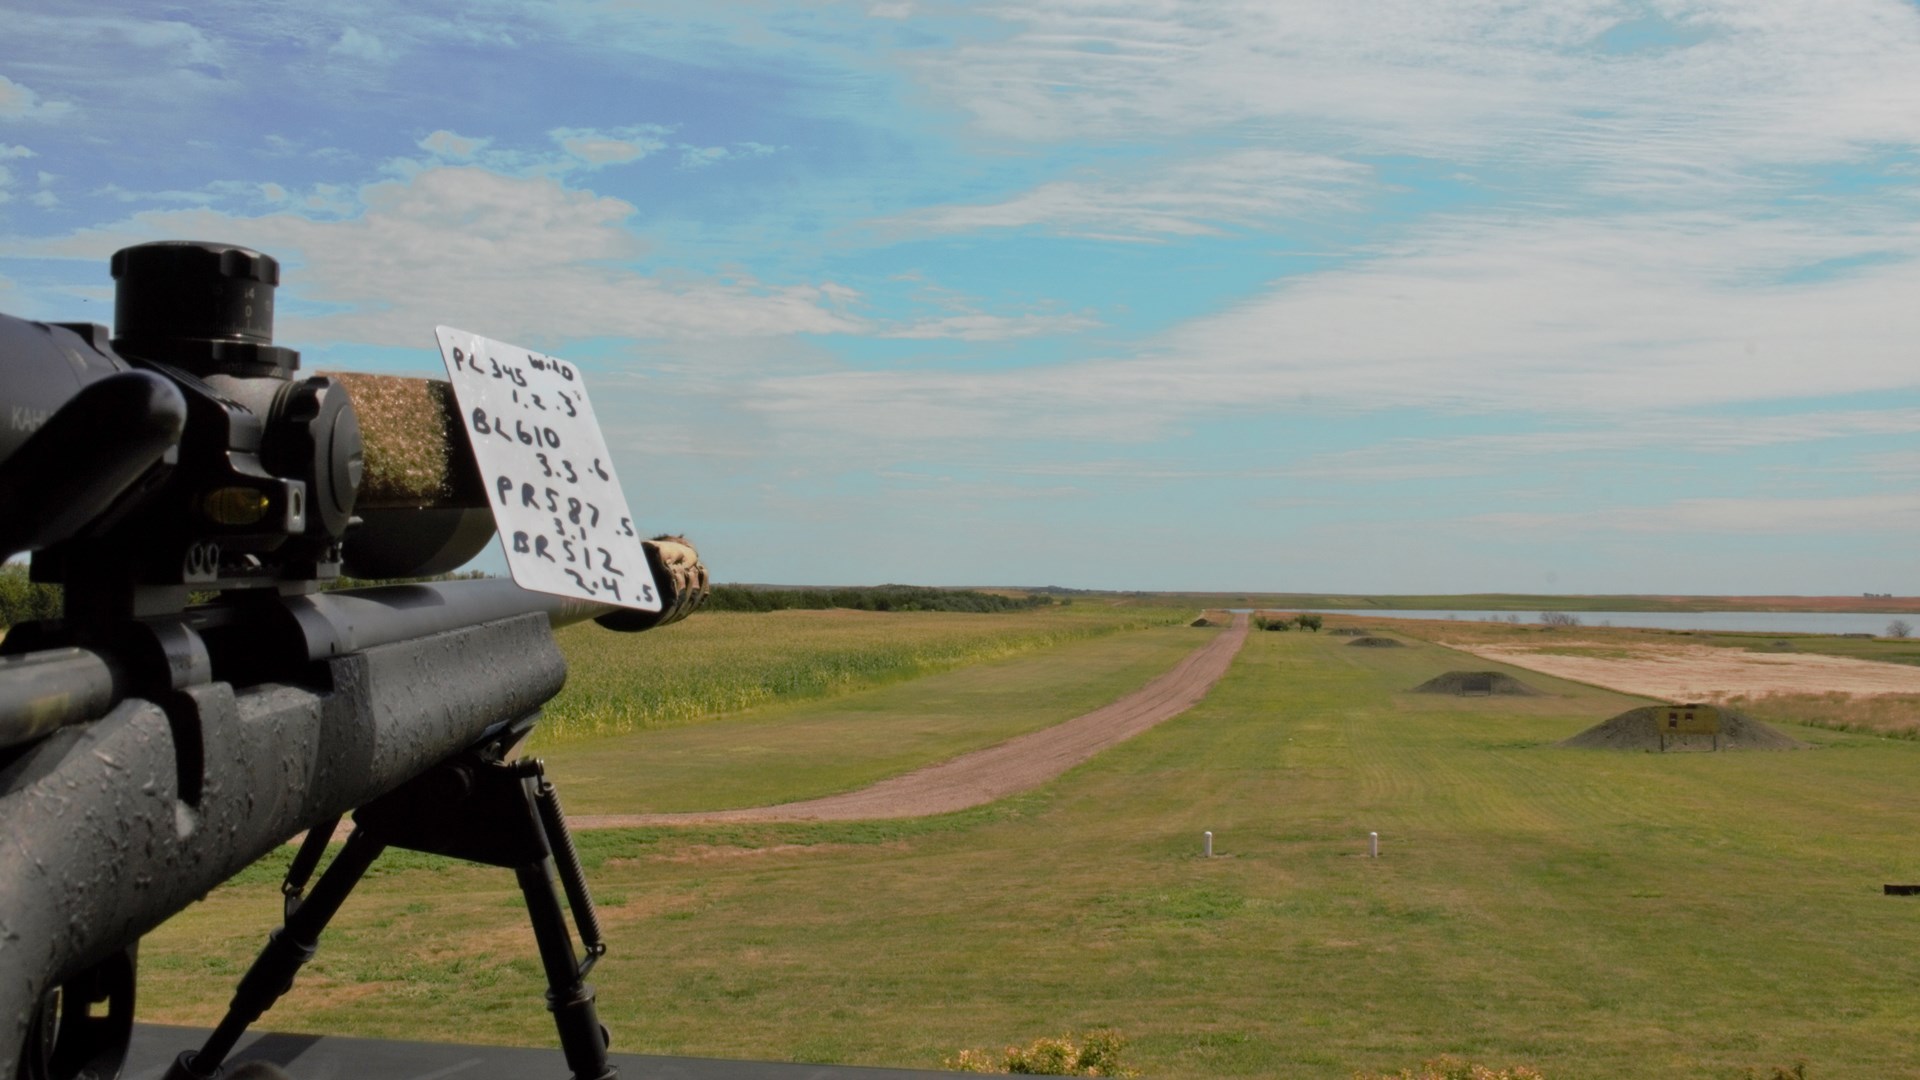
1595,640
1892,715
786,752
1525,604
1592,914
724,662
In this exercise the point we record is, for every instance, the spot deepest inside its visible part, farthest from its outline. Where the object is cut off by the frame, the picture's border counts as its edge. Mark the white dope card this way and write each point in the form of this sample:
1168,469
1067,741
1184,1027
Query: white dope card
562,516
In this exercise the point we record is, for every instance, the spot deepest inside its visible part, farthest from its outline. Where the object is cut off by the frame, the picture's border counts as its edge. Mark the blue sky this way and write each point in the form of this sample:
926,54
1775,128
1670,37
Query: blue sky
1401,296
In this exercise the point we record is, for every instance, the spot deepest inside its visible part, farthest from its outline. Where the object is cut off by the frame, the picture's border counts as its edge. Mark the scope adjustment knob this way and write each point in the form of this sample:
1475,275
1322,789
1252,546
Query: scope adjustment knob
313,434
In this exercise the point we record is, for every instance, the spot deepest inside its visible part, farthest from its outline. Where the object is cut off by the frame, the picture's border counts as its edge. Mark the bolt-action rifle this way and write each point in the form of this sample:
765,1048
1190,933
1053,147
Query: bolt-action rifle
205,697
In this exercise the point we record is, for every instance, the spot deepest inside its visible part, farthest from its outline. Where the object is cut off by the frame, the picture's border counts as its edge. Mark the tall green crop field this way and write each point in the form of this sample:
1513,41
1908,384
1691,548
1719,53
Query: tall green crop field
722,662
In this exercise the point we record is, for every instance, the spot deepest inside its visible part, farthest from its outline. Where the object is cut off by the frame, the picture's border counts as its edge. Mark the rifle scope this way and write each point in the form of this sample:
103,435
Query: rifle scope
184,453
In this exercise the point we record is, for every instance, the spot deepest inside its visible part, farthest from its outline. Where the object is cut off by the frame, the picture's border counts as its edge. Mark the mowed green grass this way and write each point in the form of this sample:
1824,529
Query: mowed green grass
1592,914
784,752
1619,640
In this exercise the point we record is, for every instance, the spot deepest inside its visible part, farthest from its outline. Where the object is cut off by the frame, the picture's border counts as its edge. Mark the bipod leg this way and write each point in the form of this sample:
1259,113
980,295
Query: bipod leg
506,814
287,949
569,997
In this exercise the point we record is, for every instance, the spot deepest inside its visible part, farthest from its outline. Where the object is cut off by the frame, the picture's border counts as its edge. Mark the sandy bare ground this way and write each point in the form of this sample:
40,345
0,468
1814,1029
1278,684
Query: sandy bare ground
1704,673
995,772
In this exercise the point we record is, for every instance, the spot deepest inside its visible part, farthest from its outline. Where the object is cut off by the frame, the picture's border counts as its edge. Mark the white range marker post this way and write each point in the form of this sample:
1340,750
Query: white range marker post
1207,843
562,516
1373,845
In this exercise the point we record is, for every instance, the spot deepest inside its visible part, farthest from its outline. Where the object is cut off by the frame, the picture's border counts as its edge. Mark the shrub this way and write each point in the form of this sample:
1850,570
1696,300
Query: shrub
1308,622
1899,628
1559,618
22,600
1452,1068
1096,1053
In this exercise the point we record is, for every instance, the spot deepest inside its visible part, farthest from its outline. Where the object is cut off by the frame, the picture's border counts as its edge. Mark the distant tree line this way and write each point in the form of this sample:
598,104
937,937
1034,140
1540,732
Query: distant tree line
869,598
22,600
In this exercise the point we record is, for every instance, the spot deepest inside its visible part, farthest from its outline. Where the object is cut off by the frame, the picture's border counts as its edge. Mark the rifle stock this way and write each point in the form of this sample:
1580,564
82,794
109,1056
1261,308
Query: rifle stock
151,749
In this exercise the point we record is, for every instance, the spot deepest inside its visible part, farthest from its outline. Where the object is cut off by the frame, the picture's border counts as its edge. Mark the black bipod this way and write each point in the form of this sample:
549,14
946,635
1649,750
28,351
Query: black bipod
474,807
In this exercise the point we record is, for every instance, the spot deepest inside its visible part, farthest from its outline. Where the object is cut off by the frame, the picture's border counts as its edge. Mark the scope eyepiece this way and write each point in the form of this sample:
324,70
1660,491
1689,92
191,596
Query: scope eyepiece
203,307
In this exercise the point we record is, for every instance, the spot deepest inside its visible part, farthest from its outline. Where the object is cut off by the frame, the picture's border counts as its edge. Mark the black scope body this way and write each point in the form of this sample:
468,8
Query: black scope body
184,453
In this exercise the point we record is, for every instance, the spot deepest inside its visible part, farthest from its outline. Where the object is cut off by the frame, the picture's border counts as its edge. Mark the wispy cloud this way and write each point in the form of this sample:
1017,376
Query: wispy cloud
573,150
1659,311
452,146
581,149
519,258
699,157
357,44
1154,200
176,41
594,148
980,326
1573,318
1665,435
1860,514
18,102
1787,83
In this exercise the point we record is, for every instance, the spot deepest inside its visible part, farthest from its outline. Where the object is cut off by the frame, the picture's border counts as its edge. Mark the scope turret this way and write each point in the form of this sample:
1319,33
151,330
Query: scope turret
206,308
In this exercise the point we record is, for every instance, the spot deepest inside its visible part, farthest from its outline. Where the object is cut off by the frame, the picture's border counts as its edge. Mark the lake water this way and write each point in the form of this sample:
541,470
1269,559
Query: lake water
1765,622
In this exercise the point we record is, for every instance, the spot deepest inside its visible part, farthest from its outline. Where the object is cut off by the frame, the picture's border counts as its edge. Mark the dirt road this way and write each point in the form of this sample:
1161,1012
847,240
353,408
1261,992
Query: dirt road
994,772
1705,673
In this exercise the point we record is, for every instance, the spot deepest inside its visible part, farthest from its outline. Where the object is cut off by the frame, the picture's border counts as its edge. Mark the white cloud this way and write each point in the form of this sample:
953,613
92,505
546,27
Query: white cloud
19,102
614,146
979,326
125,195
446,144
519,258
1238,188
14,152
1635,316
574,150
162,70
1662,311
1858,514
168,41
696,157
357,44
1787,83
1667,435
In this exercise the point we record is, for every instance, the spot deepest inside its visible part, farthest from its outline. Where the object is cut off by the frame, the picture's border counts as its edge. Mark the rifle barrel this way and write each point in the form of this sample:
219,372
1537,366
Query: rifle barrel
349,620
42,692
